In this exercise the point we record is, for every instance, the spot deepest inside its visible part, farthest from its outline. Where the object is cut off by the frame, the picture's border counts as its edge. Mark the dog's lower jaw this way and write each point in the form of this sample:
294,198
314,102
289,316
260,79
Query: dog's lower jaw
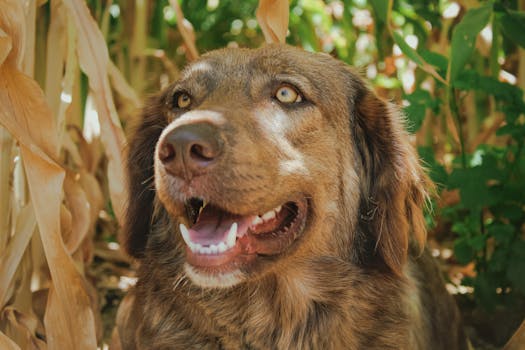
214,280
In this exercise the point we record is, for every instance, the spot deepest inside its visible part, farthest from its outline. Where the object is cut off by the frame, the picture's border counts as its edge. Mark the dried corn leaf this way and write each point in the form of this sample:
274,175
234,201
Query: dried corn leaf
186,31
25,112
69,325
5,45
22,328
58,339
94,60
122,87
80,209
68,81
272,16
12,255
517,340
7,344
93,192
28,59
55,51
6,161
12,32
28,118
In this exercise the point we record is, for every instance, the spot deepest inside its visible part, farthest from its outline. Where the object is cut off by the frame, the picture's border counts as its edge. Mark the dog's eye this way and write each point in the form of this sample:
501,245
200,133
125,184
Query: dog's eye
183,100
288,94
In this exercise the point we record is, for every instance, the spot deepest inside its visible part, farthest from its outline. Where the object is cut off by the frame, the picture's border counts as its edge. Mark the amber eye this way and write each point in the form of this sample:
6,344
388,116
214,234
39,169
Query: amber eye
183,100
288,94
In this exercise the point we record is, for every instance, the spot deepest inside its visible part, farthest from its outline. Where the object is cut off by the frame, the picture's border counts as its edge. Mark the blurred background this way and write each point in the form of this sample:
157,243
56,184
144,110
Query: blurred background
74,74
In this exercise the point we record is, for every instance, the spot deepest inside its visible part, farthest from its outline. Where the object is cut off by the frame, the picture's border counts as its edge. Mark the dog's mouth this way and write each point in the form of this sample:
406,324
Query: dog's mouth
219,238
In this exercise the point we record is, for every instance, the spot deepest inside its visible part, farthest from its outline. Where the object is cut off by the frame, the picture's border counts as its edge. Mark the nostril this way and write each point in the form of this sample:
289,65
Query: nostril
167,152
202,153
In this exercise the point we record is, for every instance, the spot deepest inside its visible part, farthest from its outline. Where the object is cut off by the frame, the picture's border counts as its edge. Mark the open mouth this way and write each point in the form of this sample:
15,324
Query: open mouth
217,237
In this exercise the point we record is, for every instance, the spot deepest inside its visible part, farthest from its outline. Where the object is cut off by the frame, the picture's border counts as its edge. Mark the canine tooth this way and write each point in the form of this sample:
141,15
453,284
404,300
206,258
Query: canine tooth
214,249
257,220
278,209
232,235
221,248
186,235
204,204
269,215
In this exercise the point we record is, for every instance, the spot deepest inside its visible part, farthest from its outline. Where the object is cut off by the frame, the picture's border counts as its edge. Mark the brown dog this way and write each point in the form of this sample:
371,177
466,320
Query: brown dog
276,204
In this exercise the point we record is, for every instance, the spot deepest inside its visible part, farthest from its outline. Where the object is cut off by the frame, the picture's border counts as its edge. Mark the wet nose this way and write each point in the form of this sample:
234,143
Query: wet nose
190,150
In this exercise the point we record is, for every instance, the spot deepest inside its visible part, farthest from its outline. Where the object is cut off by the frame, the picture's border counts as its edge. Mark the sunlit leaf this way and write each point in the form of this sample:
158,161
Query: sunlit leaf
29,119
414,56
273,19
5,46
24,325
94,60
381,8
11,256
7,344
186,31
72,325
464,38
79,205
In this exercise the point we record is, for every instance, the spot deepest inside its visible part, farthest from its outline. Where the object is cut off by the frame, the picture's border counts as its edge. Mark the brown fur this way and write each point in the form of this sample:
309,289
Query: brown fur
354,279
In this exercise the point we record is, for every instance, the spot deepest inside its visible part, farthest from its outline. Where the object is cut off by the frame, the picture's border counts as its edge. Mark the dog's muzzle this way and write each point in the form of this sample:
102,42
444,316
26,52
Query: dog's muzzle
191,150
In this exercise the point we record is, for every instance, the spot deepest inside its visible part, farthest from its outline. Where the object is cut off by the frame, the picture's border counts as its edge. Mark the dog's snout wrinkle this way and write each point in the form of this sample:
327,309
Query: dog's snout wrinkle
190,150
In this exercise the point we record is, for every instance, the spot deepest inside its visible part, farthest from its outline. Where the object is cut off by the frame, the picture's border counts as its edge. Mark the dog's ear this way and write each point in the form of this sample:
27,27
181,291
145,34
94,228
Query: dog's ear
395,186
140,175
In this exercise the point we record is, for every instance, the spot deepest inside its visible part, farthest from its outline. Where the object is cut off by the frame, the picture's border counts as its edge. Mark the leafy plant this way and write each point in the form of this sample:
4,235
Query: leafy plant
489,217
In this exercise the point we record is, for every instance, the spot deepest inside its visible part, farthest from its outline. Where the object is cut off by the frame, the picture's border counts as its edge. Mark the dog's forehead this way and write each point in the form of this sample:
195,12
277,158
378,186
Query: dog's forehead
231,64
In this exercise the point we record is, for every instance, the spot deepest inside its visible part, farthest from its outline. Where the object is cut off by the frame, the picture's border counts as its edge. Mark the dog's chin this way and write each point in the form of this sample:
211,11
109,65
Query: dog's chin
214,279
224,248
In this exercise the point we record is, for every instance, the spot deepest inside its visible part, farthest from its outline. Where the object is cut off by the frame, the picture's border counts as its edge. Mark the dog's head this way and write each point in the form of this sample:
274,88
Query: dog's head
256,159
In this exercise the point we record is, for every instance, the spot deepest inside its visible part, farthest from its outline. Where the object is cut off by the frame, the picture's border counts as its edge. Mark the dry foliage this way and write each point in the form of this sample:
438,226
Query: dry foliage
50,195
56,175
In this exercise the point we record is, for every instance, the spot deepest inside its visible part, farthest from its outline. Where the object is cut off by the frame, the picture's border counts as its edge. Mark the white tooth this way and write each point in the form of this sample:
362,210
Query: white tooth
186,235
232,235
221,248
206,250
269,215
278,209
257,220
214,249
198,248
204,204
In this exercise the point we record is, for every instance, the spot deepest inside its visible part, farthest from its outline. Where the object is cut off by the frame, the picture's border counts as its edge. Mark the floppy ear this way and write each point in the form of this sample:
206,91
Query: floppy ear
395,186
141,191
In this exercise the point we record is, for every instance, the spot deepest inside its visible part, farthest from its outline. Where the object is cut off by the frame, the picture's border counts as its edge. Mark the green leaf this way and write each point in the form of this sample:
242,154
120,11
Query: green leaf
463,251
437,60
407,50
381,8
513,26
516,268
472,80
502,233
464,37
477,242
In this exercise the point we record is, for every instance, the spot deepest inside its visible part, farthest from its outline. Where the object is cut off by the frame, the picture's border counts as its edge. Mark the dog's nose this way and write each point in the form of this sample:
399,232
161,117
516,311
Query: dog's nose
190,150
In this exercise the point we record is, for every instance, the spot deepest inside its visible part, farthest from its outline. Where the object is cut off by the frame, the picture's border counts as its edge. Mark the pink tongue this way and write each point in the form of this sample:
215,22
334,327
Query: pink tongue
213,225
